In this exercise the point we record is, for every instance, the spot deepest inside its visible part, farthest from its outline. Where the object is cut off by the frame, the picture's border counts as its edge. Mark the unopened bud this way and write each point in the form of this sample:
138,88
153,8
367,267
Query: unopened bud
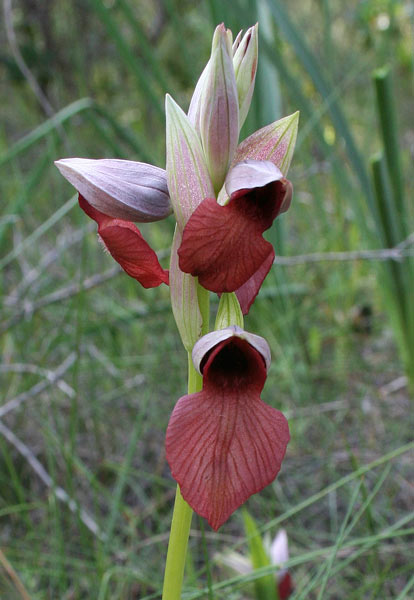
245,67
219,109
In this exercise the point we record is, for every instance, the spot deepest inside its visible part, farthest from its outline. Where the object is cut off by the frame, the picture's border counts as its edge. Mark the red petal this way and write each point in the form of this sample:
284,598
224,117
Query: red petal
127,246
285,586
246,294
223,245
224,444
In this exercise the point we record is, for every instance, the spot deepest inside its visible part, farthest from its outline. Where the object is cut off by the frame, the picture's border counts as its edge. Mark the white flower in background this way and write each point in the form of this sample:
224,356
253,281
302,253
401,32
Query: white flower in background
278,553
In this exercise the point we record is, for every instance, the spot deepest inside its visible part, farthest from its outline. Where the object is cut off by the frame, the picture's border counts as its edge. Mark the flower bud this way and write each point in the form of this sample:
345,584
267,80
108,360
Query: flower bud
245,67
219,109
122,189
228,312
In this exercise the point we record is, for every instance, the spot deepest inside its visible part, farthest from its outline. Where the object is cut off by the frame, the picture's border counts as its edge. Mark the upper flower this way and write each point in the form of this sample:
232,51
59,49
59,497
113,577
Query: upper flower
236,191
114,193
224,195
218,124
224,444
223,245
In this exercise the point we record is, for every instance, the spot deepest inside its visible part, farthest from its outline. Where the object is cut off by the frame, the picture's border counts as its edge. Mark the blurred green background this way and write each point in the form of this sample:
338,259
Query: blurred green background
91,363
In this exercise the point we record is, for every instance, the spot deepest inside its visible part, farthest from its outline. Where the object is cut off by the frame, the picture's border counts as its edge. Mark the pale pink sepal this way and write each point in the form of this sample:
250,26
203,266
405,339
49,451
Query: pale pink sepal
279,550
245,67
249,174
122,189
275,142
210,340
184,300
219,109
187,174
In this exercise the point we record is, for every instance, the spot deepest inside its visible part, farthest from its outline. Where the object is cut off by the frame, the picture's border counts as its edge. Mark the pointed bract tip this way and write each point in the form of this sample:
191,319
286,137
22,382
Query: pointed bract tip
274,142
294,116
222,37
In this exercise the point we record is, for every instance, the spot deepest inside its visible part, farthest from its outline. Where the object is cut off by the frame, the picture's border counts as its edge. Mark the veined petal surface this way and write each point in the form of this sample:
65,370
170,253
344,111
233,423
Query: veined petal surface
275,142
187,174
223,245
124,242
224,444
219,109
122,189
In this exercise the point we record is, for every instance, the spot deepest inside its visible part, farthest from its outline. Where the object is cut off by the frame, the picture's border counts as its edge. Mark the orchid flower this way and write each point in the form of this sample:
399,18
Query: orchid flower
223,443
223,245
222,241
114,193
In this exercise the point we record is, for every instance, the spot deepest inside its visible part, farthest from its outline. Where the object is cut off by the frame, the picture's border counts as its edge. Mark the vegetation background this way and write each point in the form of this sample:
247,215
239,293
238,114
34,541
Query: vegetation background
92,363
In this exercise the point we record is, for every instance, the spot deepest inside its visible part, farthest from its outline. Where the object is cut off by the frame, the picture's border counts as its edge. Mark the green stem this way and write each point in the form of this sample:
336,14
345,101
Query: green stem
177,548
181,520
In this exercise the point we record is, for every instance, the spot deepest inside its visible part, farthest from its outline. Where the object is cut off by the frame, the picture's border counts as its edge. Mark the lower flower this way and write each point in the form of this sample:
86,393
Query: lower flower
224,444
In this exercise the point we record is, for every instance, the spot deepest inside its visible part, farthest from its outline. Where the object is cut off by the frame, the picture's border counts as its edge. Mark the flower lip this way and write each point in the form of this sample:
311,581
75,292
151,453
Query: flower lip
224,443
246,294
122,189
223,244
202,349
124,242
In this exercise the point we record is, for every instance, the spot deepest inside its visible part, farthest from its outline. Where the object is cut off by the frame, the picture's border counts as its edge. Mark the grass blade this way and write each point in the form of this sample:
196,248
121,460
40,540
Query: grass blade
45,128
389,132
32,238
129,59
306,57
